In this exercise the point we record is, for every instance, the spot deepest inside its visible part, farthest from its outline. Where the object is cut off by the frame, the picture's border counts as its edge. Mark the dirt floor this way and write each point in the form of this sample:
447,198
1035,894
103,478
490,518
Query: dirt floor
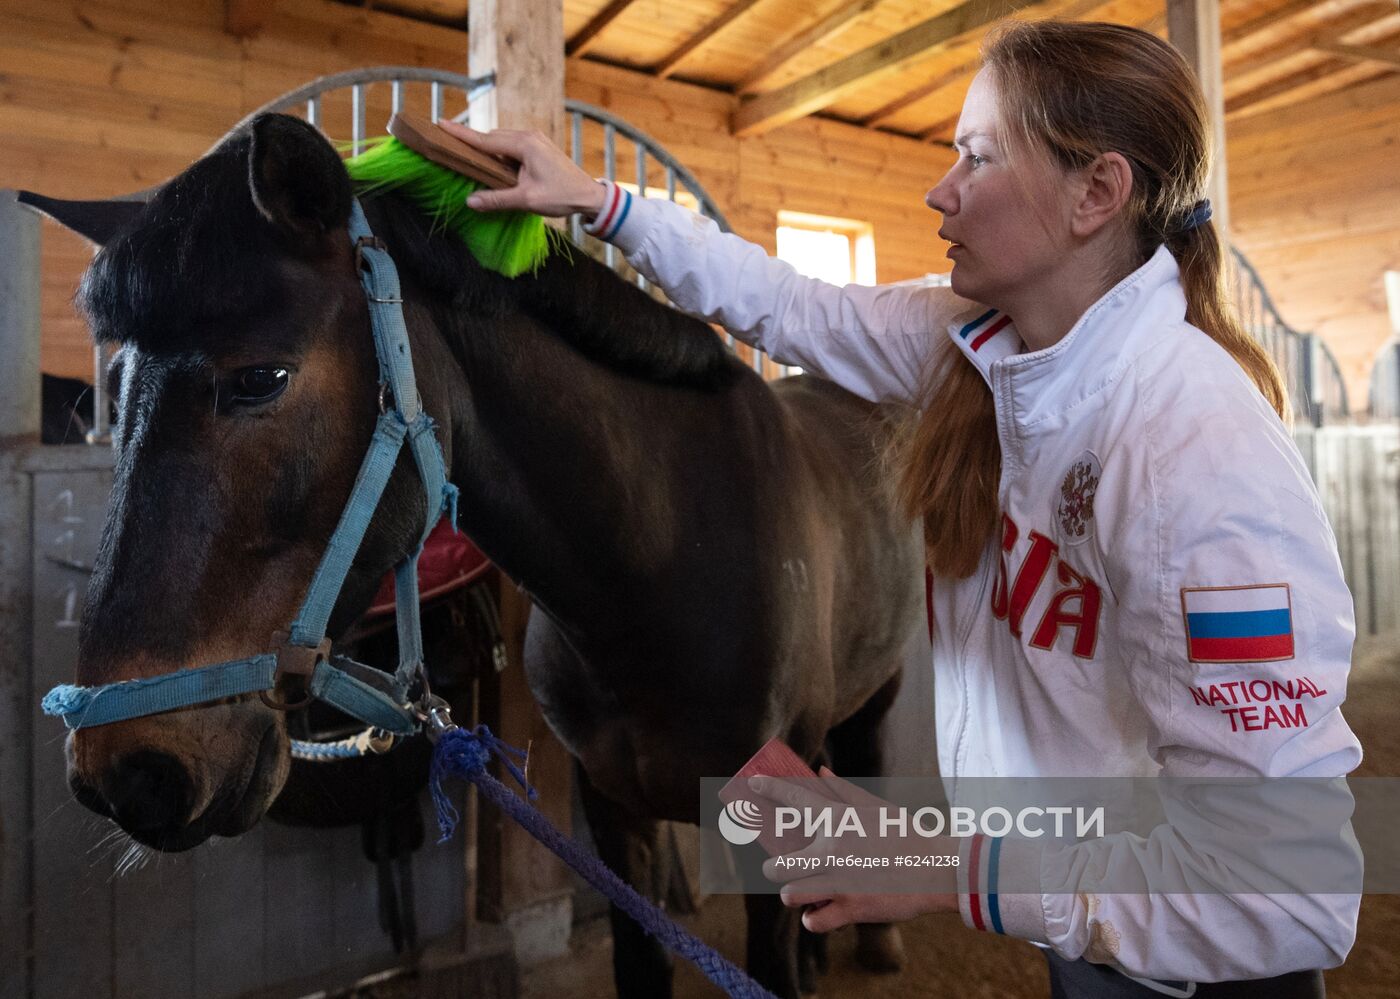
945,959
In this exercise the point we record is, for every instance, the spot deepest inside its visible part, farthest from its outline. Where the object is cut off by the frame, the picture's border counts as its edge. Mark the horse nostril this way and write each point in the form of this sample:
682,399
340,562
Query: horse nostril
149,791
89,797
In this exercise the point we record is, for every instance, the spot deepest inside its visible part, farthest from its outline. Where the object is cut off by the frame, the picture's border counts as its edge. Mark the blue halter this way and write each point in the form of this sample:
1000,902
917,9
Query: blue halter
374,697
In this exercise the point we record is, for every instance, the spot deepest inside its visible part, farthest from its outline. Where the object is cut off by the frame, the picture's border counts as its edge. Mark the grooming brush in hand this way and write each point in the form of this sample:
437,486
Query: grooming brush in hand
425,138
752,811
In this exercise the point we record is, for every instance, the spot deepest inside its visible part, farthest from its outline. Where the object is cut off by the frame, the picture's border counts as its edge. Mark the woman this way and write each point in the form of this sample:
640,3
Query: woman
1124,541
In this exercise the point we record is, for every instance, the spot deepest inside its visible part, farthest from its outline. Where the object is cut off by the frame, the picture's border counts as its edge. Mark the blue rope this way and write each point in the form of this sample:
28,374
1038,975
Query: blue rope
465,754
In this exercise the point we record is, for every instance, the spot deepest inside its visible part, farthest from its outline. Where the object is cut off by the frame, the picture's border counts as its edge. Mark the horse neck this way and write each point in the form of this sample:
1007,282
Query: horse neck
547,451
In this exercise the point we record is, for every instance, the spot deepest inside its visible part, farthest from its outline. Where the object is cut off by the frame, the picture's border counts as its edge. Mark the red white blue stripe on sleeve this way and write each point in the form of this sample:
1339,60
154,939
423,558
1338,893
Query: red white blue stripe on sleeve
616,204
983,861
1238,624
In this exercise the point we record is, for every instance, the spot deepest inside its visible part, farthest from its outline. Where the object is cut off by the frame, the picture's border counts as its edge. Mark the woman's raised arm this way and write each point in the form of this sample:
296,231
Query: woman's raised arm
874,341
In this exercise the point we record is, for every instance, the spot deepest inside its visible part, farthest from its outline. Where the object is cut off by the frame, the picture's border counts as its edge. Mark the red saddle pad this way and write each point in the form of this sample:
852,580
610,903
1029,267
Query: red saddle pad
449,562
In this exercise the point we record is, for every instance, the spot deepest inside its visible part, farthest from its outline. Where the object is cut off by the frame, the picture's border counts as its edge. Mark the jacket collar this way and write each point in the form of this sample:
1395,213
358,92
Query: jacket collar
1114,330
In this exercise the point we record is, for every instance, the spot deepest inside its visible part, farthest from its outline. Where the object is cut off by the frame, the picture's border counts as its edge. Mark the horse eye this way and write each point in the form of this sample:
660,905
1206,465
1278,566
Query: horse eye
255,385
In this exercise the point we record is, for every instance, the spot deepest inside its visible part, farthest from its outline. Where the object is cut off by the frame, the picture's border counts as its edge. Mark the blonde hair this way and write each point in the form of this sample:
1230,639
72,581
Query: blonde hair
1074,90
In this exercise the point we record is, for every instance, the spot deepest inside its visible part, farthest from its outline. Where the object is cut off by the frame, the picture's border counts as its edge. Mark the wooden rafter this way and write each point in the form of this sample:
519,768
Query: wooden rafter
1332,31
1266,21
879,115
1360,53
587,36
1073,12
828,27
695,42
1240,102
243,18
826,86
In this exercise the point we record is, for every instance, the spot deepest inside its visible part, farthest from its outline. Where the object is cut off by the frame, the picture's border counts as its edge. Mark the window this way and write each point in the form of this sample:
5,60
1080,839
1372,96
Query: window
840,251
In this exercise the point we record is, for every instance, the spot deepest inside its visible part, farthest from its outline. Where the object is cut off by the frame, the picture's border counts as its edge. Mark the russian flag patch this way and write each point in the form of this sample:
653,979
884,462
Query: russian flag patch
1238,624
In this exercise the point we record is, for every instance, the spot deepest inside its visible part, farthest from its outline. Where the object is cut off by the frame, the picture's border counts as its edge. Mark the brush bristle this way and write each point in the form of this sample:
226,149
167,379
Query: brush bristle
509,243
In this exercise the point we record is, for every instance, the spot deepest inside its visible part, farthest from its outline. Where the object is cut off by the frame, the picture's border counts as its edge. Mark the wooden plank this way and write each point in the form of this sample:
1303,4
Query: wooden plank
231,895
587,36
825,87
818,33
1369,53
523,44
73,858
1332,30
243,18
154,916
1283,85
1284,12
1193,26
880,115
697,41
298,918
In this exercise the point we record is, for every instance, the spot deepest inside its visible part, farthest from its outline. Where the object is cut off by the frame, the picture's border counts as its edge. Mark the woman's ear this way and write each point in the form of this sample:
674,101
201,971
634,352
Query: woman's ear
1107,185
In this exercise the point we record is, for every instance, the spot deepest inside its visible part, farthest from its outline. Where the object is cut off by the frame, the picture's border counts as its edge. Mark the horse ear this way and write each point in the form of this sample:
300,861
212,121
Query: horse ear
297,180
97,221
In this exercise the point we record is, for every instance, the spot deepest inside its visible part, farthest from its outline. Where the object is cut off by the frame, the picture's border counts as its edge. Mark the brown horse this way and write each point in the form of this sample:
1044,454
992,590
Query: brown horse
714,561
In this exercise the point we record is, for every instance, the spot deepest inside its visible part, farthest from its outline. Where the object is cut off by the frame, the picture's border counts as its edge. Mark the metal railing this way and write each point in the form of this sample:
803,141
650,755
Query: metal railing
1310,373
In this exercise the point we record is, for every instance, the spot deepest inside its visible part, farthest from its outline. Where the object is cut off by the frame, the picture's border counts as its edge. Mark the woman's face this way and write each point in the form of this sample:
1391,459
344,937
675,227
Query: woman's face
1007,216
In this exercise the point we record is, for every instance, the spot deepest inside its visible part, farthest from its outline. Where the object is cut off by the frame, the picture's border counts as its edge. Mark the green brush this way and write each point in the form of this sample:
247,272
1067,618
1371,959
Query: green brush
509,243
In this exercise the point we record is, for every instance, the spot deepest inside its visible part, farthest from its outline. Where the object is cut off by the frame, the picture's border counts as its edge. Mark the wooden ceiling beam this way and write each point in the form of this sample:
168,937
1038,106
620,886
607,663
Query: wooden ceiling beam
1360,53
1291,9
824,30
587,36
826,86
1073,12
1332,31
693,44
1273,88
879,115
244,18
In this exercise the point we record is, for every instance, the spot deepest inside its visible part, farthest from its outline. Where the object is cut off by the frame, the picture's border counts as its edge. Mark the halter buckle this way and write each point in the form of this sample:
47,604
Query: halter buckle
372,242
295,660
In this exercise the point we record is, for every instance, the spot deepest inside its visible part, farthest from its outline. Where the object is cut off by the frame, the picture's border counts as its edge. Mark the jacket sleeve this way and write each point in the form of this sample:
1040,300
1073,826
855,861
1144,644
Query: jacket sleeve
1237,628
874,341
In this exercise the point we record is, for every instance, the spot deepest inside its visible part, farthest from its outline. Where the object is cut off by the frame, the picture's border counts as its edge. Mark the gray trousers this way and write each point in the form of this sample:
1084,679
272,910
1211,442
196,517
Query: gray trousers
1084,980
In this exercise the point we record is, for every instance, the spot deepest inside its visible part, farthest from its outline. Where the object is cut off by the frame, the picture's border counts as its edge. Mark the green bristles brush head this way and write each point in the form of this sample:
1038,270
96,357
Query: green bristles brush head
510,243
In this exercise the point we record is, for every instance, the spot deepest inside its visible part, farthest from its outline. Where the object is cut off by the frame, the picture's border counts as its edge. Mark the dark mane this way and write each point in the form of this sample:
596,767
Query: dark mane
580,300
199,251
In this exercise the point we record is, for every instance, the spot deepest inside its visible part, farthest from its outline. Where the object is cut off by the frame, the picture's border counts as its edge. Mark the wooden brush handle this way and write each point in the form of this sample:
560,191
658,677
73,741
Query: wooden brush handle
425,138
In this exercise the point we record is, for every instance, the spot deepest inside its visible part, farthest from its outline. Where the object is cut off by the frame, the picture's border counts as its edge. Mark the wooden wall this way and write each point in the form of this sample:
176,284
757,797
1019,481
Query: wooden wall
1315,205
105,97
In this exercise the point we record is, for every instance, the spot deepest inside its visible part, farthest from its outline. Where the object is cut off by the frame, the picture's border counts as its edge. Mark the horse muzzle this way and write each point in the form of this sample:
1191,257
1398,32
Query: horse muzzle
166,797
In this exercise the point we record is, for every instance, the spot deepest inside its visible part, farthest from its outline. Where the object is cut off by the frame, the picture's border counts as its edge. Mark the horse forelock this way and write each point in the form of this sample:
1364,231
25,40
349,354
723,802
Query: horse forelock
199,252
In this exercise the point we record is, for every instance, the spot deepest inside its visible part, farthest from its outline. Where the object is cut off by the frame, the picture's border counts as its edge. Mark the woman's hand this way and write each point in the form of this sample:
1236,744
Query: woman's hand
549,184
895,891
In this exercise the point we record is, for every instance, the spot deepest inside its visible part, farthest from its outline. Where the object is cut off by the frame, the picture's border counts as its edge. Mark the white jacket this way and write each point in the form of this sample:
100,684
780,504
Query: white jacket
1164,556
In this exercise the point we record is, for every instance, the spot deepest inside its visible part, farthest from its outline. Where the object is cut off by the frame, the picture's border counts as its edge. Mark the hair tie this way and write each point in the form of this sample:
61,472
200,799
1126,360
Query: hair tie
1200,215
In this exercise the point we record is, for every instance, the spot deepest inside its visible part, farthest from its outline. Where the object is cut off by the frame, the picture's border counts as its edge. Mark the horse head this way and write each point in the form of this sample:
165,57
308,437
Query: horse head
246,390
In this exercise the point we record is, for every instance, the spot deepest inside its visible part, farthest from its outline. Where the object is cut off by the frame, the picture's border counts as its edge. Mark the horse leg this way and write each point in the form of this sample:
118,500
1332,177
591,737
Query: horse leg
628,844
856,751
812,958
772,944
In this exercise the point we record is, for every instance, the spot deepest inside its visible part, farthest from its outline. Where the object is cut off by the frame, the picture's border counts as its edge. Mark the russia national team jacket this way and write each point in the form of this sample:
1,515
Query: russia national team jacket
1165,598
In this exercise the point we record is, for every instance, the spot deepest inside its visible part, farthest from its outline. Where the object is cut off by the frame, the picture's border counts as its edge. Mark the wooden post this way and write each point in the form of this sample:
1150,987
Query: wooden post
522,42
1193,26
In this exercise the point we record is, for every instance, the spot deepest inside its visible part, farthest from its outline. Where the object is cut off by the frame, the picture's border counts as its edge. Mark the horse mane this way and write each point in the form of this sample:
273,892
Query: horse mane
579,300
